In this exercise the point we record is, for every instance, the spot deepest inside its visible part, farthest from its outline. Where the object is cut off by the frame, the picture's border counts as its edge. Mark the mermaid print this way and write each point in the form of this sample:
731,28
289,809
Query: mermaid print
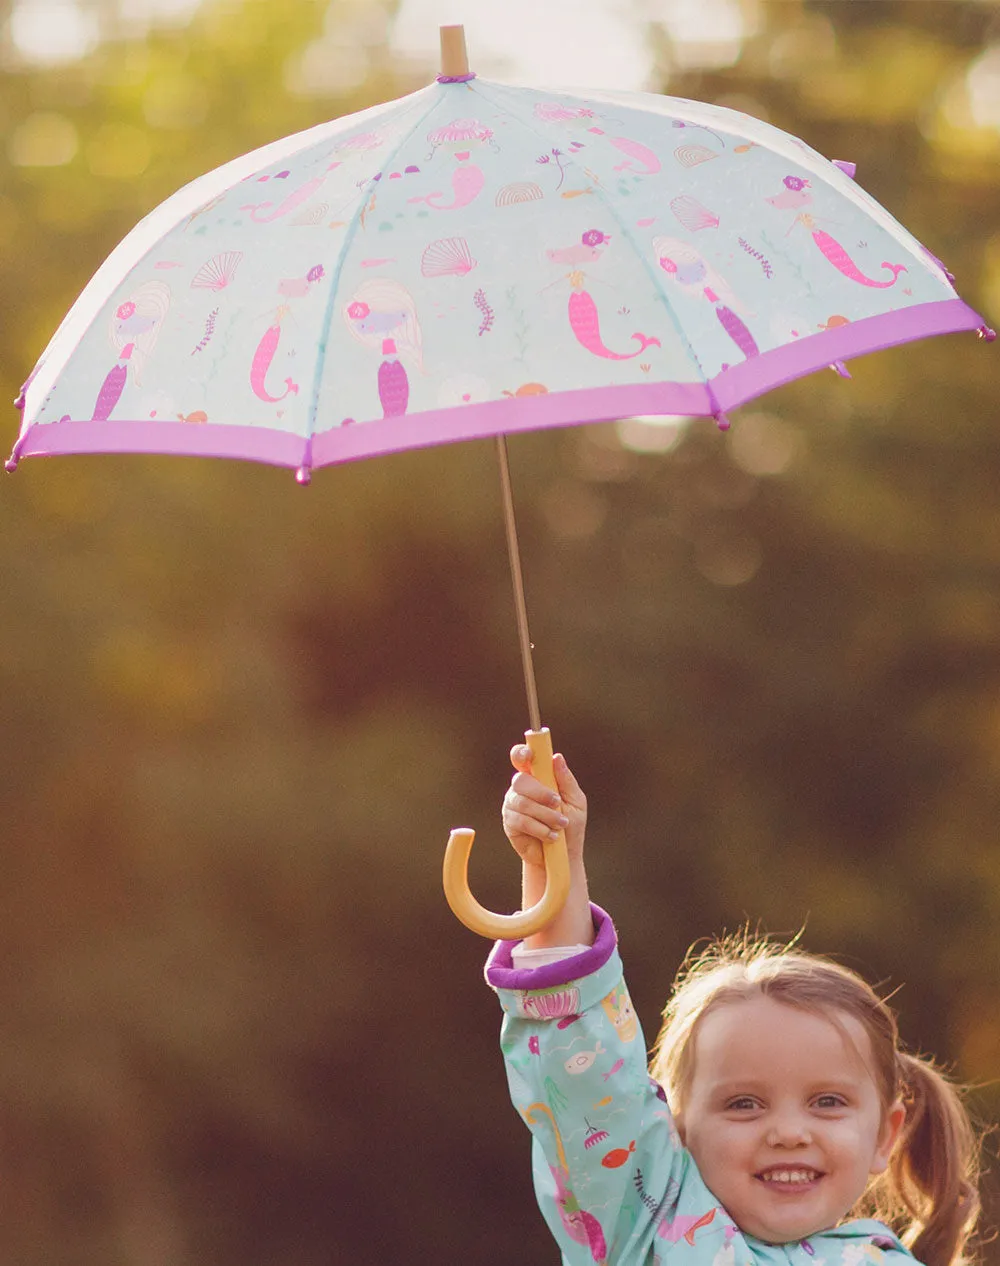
261,212
840,259
134,328
585,324
584,320
691,271
639,158
685,1227
354,147
381,314
459,138
266,350
796,195
466,185
113,386
580,1225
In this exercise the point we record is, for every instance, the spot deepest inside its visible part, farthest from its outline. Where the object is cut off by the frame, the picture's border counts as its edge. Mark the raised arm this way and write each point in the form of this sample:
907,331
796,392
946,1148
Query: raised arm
531,813
609,1171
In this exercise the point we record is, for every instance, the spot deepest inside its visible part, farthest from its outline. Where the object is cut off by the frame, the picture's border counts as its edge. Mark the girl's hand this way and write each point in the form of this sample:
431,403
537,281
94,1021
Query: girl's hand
532,812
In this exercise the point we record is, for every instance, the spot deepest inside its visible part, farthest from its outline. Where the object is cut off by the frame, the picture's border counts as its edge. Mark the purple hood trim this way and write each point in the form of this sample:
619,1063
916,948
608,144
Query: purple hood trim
502,974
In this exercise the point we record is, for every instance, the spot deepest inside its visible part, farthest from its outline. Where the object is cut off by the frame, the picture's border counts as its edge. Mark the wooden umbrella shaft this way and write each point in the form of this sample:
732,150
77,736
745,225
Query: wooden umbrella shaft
520,609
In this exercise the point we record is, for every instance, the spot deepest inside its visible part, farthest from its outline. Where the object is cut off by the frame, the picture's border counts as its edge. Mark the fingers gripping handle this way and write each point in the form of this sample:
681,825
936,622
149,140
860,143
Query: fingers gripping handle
456,868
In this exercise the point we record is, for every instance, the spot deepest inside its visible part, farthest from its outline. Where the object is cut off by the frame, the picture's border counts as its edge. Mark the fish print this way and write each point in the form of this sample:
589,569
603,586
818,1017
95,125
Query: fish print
577,1064
618,1156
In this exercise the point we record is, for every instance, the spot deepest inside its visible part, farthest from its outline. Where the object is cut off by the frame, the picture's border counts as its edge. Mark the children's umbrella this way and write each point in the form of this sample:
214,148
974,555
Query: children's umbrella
476,259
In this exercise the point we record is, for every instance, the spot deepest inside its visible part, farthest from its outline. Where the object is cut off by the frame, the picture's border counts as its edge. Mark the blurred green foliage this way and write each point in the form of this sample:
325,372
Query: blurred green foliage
238,1023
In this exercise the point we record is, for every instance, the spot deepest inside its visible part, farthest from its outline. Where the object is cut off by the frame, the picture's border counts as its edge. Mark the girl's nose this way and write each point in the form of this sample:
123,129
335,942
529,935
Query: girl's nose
788,1132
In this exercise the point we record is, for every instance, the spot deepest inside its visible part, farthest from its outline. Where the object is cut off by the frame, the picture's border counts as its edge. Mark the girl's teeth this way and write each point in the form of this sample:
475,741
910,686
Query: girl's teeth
789,1175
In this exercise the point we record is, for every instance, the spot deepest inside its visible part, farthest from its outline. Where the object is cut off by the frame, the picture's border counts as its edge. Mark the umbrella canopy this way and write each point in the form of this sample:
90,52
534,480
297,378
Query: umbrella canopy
476,259
473,259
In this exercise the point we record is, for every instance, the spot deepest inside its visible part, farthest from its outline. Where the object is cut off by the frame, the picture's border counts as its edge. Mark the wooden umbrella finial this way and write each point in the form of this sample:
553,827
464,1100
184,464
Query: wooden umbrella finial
454,58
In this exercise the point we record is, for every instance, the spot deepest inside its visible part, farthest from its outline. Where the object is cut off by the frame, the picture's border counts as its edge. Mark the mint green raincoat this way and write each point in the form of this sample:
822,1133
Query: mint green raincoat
613,1180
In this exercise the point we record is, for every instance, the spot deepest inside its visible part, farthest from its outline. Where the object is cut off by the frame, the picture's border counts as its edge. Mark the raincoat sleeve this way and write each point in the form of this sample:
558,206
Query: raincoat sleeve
608,1166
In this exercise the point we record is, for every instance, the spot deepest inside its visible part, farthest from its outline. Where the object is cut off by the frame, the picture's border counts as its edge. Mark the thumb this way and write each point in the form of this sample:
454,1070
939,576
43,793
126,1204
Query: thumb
520,758
566,784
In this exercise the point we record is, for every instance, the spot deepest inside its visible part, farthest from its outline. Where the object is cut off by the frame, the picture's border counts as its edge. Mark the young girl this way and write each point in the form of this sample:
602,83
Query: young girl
780,1102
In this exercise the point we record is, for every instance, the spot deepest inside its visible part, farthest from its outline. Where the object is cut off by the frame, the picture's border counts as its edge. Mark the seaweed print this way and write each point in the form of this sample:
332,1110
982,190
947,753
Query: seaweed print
209,331
479,299
765,263
557,154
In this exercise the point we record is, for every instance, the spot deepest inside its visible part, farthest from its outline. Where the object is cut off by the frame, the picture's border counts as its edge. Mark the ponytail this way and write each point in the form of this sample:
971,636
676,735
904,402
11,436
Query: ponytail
928,1192
929,1188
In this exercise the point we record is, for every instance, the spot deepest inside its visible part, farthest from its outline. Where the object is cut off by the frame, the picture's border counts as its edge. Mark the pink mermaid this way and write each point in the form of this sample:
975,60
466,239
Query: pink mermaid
381,314
686,266
638,157
579,1225
583,316
797,194
266,212
634,151
585,324
135,326
466,185
266,350
840,259
460,138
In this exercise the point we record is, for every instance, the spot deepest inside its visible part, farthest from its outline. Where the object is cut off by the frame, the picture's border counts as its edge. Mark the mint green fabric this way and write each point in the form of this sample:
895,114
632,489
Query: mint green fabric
613,1181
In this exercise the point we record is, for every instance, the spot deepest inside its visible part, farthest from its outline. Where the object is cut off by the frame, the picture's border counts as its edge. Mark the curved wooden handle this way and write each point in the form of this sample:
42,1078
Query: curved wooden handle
464,905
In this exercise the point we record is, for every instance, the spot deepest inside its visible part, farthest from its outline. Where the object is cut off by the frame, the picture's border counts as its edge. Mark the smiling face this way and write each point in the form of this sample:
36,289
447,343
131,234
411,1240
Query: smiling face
782,1116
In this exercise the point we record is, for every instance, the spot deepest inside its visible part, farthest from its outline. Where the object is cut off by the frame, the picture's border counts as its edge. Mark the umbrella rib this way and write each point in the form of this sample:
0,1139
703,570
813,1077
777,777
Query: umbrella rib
659,289
345,246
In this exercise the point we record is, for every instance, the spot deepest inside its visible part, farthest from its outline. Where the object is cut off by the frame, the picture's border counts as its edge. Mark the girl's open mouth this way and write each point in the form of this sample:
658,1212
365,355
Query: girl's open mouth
788,1178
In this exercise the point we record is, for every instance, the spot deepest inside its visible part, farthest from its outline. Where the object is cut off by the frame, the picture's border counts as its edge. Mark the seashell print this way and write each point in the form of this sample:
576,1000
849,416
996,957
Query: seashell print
519,191
692,214
556,112
692,155
361,141
218,272
449,256
551,1004
459,130
315,214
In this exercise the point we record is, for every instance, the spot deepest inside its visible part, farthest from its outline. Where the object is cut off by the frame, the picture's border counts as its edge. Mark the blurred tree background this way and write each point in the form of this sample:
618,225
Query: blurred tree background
238,1023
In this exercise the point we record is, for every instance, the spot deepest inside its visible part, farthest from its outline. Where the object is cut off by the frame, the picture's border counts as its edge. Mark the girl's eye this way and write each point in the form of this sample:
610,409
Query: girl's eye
831,1101
742,1103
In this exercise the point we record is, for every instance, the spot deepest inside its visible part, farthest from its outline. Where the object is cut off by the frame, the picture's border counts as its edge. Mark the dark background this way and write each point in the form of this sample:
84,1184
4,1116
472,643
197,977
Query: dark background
237,1022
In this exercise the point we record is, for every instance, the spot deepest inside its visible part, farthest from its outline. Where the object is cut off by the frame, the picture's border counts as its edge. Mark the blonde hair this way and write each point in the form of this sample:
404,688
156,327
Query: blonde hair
928,1193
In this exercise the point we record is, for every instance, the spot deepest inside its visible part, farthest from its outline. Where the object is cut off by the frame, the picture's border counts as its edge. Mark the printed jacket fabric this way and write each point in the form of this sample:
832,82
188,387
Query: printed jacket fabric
613,1180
